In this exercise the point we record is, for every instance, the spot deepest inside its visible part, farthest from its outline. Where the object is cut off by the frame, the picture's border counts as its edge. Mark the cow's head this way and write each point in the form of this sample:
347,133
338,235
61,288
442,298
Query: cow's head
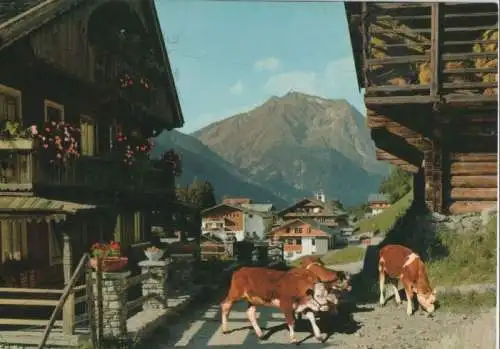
338,280
426,299
322,296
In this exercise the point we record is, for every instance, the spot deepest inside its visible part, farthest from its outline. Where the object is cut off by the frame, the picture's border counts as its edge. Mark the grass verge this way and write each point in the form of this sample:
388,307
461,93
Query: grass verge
384,221
467,302
345,255
471,257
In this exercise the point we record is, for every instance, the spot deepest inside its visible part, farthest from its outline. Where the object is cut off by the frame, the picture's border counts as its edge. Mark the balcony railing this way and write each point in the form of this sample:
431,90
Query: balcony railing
21,171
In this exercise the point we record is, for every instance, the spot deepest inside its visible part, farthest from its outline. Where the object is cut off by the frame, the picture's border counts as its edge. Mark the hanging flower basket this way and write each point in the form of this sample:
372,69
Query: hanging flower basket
132,147
173,161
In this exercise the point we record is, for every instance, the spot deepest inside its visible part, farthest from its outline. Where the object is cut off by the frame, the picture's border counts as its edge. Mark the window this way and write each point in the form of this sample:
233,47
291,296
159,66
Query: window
14,240
15,168
289,241
298,241
289,254
10,104
88,136
55,250
53,111
313,242
298,230
138,227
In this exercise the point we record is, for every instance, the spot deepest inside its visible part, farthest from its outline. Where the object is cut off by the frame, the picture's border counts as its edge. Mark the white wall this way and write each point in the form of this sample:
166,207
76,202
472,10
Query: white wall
254,223
320,247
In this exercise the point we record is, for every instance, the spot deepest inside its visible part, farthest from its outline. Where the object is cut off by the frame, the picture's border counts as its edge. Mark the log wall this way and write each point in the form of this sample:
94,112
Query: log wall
473,178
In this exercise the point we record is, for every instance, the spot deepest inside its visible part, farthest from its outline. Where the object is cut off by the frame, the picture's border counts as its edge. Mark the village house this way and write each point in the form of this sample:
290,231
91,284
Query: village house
326,213
377,203
226,220
84,85
303,237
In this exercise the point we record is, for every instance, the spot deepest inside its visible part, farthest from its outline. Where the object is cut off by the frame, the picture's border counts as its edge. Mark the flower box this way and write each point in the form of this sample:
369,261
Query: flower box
110,264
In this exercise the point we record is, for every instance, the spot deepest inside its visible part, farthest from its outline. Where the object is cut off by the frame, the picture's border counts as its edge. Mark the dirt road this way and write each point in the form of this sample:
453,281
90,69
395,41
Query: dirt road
364,327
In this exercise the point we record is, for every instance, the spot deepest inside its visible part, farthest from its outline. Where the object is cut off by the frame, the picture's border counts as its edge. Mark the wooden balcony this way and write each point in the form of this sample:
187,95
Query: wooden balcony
425,53
22,171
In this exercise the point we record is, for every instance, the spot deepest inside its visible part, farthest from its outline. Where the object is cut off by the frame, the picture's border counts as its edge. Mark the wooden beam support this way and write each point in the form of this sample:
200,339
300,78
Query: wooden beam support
436,42
405,165
396,146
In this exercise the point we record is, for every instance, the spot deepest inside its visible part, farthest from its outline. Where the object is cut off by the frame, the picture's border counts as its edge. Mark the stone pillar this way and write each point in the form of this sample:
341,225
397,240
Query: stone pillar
114,304
155,284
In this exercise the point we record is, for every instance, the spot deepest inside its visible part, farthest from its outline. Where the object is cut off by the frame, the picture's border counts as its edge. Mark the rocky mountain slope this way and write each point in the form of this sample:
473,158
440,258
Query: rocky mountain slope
297,144
199,162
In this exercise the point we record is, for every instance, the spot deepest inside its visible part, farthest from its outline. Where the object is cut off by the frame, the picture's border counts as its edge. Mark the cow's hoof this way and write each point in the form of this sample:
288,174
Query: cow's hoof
225,332
294,340
321,339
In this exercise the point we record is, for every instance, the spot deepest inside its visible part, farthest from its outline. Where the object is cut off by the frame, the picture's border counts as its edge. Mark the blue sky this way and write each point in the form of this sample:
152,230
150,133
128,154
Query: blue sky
229,57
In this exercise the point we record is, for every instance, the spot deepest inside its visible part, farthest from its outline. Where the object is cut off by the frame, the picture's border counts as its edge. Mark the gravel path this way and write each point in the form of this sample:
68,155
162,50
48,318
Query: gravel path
362,327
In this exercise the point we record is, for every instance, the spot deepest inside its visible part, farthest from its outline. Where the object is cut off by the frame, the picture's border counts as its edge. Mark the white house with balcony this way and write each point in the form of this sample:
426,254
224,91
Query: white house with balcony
225,220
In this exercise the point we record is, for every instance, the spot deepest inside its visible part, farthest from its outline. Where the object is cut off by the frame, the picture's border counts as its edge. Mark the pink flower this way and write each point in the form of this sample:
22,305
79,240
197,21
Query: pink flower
45,145
34,130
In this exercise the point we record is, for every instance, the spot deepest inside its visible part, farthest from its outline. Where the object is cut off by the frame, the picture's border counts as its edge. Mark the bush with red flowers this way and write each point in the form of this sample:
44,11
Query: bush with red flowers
173,161
57,141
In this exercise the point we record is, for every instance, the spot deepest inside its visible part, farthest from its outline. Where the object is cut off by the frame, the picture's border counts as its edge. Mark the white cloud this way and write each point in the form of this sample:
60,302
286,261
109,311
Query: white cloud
300,81
269,63
237,89
336,80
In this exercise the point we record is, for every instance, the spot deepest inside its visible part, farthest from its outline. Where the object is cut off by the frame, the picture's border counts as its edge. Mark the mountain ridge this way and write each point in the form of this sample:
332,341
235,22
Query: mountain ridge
329,135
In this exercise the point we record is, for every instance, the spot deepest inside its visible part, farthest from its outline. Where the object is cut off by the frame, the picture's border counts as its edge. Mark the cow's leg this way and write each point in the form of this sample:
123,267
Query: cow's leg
312,319
252,316
397,298
409,296
225,310
286,307
381,283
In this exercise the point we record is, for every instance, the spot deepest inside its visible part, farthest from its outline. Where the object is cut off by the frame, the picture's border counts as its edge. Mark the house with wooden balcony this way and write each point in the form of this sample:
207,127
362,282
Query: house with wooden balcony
84,86
327,213
302,237
430,78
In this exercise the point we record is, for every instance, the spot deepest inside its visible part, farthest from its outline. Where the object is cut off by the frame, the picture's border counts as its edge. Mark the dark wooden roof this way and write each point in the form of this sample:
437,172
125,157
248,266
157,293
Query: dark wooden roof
12,8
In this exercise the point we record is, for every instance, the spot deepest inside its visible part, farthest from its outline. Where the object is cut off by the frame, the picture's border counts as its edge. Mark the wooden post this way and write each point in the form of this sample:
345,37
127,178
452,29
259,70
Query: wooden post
436,59
91,307
69,305
98,284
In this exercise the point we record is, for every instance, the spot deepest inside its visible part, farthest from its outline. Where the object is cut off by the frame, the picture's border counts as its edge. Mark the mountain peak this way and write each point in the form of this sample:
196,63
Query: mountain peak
299,135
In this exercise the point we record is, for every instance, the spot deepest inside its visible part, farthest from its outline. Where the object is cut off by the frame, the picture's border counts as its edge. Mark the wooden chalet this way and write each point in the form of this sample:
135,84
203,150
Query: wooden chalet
429,73
73,63
327,213
302,237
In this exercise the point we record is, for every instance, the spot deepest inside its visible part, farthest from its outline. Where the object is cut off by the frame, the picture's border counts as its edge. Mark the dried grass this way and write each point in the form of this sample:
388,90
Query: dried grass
402,74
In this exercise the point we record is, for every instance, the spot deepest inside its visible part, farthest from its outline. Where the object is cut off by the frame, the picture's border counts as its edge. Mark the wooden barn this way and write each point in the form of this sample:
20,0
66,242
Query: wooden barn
84,85
429,74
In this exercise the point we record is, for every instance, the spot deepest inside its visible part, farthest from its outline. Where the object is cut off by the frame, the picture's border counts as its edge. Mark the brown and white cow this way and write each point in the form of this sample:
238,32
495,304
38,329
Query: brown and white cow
285,290
399,262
